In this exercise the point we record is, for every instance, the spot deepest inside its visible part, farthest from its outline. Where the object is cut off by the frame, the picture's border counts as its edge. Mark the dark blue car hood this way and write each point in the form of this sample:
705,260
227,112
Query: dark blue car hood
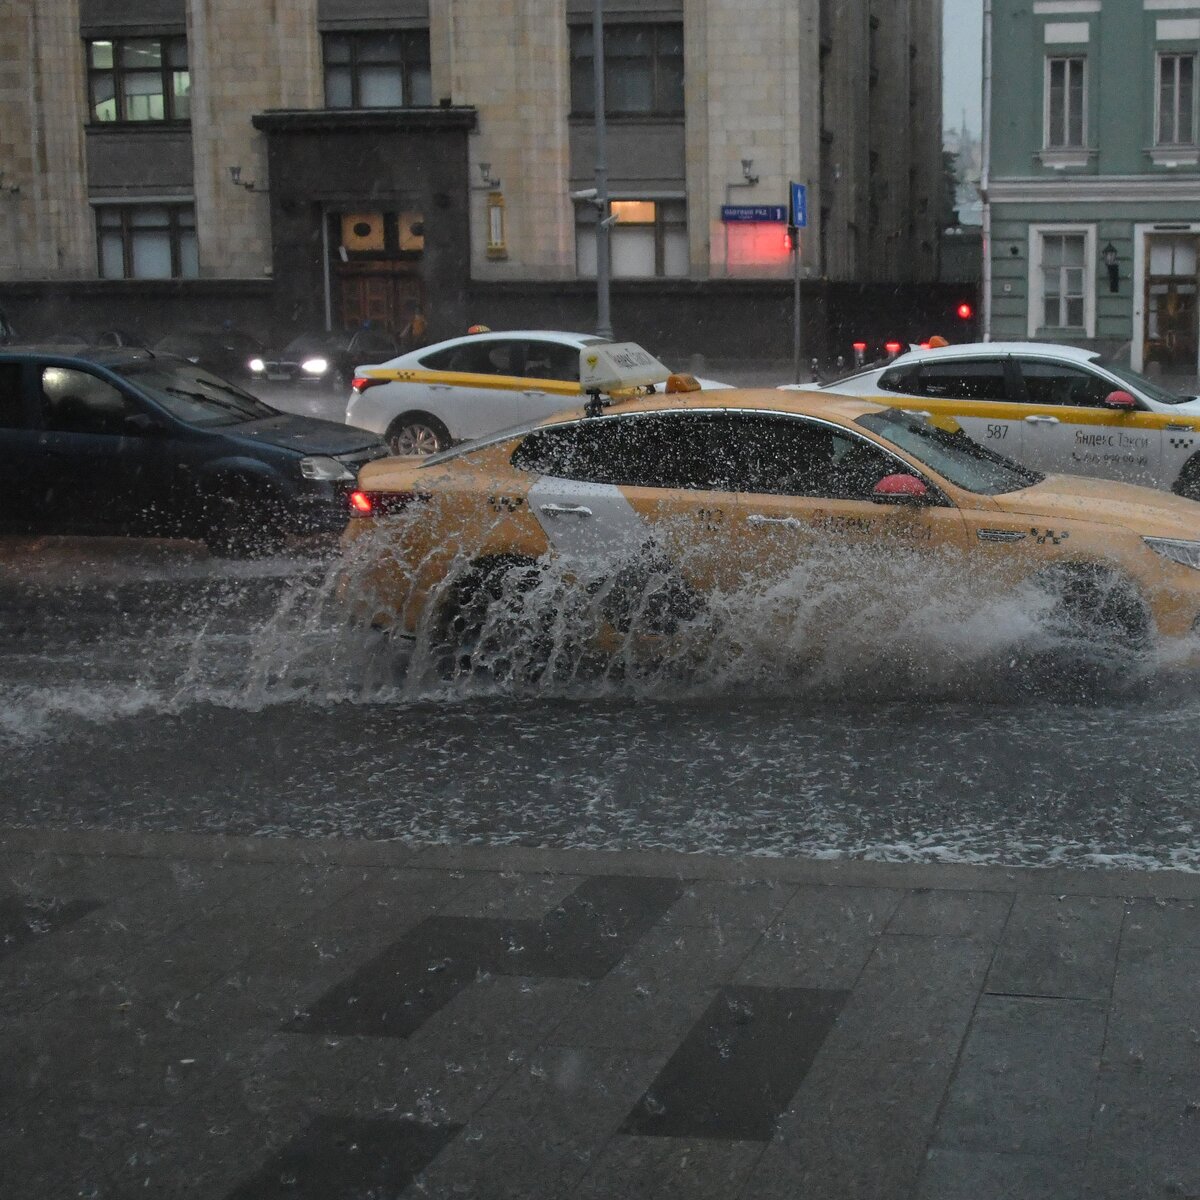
306,435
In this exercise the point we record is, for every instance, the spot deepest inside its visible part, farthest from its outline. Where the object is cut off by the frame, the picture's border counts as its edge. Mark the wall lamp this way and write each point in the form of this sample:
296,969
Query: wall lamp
748,172
235,174
485,173
1109,254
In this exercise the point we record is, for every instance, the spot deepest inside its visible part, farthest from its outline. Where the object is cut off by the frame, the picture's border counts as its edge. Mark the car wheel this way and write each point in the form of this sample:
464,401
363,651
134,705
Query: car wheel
483,627
417,435
1099,627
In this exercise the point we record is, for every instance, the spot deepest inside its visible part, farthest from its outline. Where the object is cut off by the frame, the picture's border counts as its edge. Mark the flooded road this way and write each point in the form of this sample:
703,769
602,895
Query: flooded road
147,687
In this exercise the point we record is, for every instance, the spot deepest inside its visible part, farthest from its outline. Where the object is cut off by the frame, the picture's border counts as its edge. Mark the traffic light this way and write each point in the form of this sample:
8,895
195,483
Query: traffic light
965,311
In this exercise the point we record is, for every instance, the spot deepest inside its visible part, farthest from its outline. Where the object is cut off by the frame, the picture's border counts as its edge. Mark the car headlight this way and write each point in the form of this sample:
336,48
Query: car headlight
1187,554
257,365
324,469
315,366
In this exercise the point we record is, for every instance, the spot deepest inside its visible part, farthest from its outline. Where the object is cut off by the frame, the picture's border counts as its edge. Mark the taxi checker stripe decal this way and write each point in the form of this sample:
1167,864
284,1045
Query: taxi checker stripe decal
504,383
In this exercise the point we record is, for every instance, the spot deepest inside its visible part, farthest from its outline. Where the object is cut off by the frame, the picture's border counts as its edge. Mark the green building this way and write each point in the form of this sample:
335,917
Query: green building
1092,176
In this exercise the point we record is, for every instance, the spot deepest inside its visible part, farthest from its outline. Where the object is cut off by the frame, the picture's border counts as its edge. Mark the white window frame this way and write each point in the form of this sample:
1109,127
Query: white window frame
1037,297
1160,57
1047,144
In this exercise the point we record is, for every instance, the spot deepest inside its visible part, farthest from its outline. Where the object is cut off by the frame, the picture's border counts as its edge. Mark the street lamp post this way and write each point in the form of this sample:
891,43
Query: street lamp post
603,314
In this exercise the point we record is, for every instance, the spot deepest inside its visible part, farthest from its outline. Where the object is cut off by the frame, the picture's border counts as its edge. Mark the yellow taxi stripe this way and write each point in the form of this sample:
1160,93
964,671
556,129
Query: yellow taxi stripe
504,383
1068,414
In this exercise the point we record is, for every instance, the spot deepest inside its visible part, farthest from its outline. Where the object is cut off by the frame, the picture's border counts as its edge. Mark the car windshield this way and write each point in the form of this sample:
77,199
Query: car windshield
954,456
194,395
1146,387
316,343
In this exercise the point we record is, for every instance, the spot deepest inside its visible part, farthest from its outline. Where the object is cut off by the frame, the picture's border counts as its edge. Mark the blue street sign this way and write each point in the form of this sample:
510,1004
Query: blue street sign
753,212
799,205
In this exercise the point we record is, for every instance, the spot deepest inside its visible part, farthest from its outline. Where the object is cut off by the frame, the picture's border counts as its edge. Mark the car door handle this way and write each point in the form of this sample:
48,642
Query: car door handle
439,387
916,412
1041,421
533,392
566,510
1178,428
763,519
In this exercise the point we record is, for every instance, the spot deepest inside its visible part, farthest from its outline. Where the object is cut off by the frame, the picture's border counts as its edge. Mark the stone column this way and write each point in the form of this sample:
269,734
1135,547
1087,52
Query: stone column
510,58
243,58
46,228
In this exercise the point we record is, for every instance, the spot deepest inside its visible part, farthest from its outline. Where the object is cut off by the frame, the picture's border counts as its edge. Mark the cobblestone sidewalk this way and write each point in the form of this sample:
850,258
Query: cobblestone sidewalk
223,1018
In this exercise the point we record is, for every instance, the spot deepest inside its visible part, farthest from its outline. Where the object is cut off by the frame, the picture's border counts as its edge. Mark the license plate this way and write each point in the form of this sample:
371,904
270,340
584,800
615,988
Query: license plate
283,375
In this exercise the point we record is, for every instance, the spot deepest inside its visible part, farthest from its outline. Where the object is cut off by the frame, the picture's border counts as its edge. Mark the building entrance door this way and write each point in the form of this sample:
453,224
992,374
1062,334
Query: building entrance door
1172,313
386,299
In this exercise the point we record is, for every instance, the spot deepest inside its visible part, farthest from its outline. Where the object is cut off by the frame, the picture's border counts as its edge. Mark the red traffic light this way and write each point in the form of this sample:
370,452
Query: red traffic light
965,311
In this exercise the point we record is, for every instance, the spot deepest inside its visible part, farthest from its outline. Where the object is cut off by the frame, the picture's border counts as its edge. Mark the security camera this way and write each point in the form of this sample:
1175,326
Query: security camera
586,194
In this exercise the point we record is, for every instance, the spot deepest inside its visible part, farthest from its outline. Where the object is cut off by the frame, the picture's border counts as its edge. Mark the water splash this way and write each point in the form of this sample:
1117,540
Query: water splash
845,624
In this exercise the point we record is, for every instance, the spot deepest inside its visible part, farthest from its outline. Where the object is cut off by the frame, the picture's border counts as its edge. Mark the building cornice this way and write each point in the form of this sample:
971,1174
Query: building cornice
1093,189
348,120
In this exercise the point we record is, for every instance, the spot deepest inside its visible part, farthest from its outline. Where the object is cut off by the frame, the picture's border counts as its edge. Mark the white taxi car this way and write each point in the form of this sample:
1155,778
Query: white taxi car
469,387
1053,408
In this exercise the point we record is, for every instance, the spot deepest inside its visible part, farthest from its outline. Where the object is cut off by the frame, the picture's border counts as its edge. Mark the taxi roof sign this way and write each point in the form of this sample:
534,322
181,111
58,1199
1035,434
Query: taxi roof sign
616,366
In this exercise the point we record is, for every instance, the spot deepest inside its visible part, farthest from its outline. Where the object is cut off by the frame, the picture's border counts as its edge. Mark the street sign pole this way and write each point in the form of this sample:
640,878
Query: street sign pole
798,217
797,356
603,313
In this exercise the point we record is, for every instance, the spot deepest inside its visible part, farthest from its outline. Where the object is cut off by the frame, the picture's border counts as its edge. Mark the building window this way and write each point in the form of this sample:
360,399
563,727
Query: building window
648,240
1066,103
1062,285
139,79
147,241
382,69
1176,100
643,70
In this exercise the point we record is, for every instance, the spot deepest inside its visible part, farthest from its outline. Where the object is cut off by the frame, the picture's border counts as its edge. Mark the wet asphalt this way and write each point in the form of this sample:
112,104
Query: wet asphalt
146,686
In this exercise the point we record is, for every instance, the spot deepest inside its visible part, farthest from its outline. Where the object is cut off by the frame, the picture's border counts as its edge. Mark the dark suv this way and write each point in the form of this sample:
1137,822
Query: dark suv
128,441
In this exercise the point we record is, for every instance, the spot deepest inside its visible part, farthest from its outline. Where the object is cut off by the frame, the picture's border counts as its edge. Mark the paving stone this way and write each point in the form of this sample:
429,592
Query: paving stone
539,1134
1154,1023
372,1076
1027,1077
930,912
1145,1138
1058,946
653,998
28,918
508,894
982,1175
583,937
346,1158
754,903
820,941
860,1122
1158,924
661,1168
739,1065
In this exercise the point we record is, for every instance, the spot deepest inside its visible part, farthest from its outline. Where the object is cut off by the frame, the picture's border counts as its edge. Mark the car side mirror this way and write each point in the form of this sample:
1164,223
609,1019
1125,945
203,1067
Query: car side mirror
900,489
1120,400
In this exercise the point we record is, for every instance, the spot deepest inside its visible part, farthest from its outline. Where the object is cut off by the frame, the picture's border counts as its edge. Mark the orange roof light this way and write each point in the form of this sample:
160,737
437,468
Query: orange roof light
937,341
682,383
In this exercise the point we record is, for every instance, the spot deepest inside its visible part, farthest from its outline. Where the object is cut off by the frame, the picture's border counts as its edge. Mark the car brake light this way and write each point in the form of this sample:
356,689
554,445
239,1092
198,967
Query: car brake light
370,504
360,383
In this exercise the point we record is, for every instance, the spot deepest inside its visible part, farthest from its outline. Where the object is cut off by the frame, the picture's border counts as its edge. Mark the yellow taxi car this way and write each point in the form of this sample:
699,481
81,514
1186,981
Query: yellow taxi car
720,491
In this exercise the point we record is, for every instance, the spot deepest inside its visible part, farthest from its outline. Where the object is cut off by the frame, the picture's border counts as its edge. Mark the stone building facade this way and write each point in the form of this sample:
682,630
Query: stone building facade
300,163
